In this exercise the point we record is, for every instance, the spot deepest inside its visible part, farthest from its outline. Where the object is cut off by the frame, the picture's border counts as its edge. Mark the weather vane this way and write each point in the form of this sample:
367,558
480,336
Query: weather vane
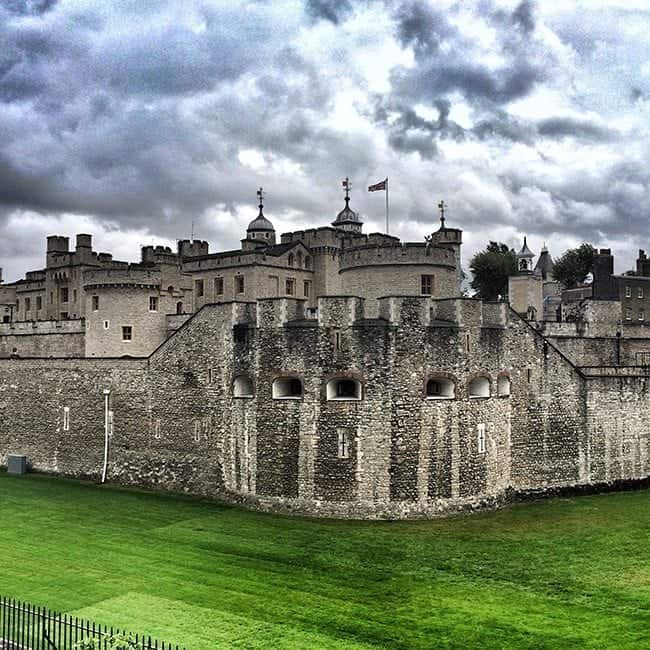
442,207
260,197
347,185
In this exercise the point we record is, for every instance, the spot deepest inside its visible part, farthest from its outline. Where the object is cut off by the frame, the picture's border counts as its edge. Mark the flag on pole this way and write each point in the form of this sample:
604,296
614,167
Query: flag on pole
378,186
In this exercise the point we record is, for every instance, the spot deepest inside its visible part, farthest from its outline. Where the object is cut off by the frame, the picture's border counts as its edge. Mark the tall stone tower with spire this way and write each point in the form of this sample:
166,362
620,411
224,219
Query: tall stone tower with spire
525,287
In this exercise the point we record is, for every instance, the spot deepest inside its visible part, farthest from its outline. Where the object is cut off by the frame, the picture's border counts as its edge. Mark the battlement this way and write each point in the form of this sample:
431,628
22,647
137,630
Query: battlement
414,253
26,328
117,275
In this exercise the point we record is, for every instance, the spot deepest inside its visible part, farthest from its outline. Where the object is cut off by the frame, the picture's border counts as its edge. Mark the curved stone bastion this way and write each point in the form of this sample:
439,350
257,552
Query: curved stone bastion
431,407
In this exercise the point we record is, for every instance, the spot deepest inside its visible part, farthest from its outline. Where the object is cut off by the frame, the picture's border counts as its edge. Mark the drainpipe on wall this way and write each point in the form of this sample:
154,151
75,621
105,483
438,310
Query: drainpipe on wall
107,396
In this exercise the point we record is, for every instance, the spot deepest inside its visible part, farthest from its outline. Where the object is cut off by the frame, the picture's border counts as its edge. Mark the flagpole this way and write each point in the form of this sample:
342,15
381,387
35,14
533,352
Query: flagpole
386,204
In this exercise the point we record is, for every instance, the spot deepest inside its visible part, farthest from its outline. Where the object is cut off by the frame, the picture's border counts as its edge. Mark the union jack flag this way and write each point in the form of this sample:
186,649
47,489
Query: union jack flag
378,186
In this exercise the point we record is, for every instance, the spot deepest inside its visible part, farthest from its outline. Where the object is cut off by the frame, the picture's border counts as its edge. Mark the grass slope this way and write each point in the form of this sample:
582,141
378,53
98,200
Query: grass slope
564,573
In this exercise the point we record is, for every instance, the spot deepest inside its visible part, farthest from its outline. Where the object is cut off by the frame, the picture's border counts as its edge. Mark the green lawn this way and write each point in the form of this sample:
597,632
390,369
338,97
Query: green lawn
563,573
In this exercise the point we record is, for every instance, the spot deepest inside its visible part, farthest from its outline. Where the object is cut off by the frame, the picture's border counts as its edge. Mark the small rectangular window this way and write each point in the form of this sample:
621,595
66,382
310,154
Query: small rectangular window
337,340
306,288
74,295
39,303
64,294
51,297
218,286
480,438
426,285
197,430
343,443
66,418
239,284
198,287
467,343
628,314
127,333
95,303
640,292
641,314
28,304
628,292
153,303
107,324
290,287
529,375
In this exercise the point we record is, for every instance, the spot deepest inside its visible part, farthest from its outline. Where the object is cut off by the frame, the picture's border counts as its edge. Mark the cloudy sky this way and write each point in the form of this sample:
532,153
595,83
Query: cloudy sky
131,119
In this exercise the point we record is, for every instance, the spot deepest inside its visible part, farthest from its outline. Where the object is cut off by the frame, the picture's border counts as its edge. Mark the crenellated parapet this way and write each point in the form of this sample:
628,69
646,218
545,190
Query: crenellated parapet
371,255
132,276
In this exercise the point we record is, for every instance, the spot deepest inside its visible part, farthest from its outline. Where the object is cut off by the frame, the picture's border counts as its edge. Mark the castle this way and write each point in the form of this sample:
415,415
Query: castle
331,374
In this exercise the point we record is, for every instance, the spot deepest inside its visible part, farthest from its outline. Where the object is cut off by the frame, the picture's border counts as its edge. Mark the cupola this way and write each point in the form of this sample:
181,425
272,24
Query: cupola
261,228
348,219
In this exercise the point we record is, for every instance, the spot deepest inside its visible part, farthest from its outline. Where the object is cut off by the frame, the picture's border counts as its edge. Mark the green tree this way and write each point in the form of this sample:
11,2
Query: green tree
490,270
574,265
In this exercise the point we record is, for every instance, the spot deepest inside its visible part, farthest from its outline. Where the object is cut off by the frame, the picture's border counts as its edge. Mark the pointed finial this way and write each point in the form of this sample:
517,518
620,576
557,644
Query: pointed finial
442,207
347,185
260,197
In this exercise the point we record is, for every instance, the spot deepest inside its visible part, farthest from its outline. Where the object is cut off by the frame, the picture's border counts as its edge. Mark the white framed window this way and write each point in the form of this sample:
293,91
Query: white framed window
628,314
343,443
479,387
127,332
628,291
344,388
66,418
440,388
287,388
242,386
107,324
95,303
641,314
480,438
153,303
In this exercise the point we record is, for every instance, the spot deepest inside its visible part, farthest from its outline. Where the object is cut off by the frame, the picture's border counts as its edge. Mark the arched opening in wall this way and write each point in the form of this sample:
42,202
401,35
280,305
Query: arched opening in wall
179,308
440,388
299,259
287,388
290,259
344,388
503,386
479,387
242,386
170,290
307,262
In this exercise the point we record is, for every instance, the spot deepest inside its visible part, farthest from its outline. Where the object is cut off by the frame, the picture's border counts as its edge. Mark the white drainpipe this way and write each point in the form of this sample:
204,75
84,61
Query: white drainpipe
107,396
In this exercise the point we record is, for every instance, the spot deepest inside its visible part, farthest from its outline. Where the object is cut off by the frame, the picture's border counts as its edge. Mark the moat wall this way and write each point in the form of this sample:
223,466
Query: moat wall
178,425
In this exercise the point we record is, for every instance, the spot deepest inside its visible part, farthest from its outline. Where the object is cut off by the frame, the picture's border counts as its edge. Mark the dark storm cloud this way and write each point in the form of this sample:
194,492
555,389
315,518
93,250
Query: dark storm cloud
332,10
448,65
29,7
524,17
561,127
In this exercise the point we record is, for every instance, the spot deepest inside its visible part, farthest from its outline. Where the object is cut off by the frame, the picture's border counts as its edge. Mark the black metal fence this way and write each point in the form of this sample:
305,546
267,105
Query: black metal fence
26,627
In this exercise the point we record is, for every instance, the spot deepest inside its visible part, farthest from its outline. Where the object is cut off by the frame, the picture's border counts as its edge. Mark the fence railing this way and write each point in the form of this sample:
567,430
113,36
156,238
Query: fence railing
26,627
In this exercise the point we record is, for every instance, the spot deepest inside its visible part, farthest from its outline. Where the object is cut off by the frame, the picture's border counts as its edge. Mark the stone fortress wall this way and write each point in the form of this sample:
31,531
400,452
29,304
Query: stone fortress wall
212,410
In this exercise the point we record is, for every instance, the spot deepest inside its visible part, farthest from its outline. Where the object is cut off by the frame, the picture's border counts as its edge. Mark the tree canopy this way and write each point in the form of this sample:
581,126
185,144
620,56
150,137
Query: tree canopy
491,268
574,265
